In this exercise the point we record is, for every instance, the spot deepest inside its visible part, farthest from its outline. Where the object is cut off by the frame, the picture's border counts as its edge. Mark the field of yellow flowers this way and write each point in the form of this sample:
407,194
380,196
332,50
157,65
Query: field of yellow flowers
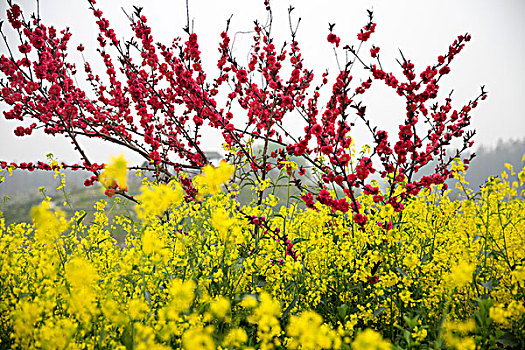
211,273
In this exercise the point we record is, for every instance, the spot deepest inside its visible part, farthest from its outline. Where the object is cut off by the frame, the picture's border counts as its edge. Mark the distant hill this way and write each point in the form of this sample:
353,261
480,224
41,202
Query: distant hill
20,192
24,183
490,161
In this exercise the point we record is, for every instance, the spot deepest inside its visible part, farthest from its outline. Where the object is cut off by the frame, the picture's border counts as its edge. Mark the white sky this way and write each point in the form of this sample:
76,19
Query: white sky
421,29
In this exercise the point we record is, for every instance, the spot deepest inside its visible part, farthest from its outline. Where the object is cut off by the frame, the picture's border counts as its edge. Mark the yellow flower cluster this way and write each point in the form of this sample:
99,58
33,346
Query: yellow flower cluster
156,199
505,315
115,173
307,331
461,274
216,274
456,334
265,316
48,224
212,178
370,340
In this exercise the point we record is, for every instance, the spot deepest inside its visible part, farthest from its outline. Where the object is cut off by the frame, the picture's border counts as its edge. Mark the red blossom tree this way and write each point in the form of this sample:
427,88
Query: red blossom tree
155,98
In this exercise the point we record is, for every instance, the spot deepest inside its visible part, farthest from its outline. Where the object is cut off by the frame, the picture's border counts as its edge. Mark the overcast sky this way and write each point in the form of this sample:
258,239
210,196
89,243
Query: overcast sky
421,29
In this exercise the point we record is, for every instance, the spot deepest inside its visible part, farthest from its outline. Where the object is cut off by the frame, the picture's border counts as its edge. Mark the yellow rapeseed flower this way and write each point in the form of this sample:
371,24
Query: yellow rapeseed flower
115,173
181,294
49,225
265,316
249,302
57,333
221,221
211,179
497,313
455,334
518,275
370,340
308,332
158,198
151,242
505,314
220,307
81,276
80,273
198,339
235,338
24,318
461,274
137,309
521,177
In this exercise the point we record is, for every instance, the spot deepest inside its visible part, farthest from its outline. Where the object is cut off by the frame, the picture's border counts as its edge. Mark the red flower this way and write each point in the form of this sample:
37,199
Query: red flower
54,89
444,70
333,39
24,48
374,51
360,219
317,129
242,76
15,10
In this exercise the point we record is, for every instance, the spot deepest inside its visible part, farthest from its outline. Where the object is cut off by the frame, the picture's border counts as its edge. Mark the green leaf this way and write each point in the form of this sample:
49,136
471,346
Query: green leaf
509,340
81,217
341,311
